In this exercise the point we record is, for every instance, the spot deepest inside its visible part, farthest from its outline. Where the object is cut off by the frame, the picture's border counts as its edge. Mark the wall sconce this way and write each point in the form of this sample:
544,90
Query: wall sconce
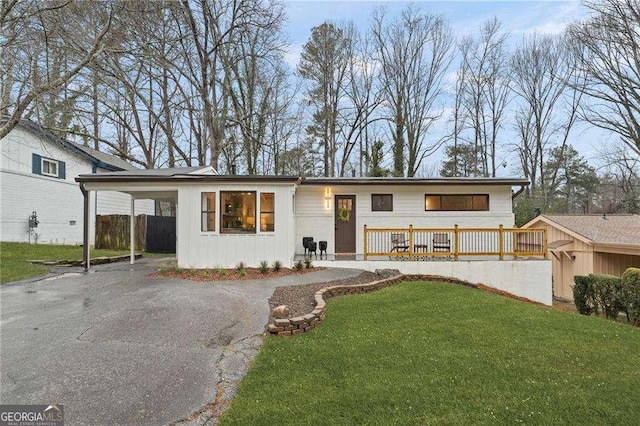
327,198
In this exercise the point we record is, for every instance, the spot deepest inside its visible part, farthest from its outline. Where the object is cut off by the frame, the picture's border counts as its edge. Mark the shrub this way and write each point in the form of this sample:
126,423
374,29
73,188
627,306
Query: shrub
307,262
583,295
242,272
264,267
177,269
241,267
298,265
222,271
607,290
631,293
277,265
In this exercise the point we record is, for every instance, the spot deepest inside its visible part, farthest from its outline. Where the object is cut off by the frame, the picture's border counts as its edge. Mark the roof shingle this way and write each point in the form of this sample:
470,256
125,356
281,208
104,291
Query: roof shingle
614,229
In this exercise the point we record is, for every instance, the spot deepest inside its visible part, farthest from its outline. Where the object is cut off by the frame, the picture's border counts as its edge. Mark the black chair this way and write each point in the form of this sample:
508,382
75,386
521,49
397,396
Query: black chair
305,244
312,246
323,248
441,243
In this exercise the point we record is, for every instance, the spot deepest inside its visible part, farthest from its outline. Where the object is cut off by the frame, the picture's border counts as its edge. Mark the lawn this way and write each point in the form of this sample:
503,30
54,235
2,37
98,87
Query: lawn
436,353
14,258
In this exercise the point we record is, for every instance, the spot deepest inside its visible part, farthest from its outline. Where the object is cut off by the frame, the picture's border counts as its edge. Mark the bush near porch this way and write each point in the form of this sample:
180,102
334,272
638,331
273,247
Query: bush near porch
435,353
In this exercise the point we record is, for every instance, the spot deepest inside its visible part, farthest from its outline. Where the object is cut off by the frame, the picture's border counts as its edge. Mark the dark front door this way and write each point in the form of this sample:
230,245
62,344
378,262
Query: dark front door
345,219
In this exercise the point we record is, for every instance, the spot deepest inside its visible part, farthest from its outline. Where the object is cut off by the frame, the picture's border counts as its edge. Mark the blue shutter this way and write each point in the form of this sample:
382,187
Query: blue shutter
62,170
36,164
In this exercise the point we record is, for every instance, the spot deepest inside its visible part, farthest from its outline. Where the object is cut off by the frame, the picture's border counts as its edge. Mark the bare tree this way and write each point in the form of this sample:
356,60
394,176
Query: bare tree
608,48
414,52
547,106
30,30
486,90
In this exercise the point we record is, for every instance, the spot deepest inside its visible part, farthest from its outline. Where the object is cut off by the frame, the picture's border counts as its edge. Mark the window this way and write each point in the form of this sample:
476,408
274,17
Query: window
267,212
381,202
208,211
49,167
467,202
238,212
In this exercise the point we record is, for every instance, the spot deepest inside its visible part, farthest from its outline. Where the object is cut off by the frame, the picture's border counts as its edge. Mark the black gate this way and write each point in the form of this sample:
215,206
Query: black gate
161,234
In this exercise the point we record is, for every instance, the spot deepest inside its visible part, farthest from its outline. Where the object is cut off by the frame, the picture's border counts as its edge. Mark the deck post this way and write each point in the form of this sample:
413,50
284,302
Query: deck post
410,241
544,243
366,250
132,229
455,241
501,242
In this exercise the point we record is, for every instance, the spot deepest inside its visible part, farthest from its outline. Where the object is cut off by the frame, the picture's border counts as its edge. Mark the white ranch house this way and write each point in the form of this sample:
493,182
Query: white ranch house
225,219
37,174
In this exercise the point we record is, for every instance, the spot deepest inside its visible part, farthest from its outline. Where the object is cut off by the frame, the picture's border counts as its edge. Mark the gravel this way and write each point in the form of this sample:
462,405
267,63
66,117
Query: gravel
300,298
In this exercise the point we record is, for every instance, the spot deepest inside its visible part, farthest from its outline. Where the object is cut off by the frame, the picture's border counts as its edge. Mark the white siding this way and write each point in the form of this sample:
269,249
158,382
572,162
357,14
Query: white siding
58,202
112,202
314,219
198,249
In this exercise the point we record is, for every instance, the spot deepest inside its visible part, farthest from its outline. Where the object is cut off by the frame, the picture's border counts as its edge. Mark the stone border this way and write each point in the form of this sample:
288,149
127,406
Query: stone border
95,261
297,325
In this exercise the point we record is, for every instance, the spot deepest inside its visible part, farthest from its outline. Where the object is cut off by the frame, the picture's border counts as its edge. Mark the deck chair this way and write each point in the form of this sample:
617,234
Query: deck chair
441,243
398,244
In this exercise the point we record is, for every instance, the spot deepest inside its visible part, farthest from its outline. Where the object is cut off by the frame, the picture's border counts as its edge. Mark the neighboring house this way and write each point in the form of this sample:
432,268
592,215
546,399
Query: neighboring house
583,245
37,174
222,220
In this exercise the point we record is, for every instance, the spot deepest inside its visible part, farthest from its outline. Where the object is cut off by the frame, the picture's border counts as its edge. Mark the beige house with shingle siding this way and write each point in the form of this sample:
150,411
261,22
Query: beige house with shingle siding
583,245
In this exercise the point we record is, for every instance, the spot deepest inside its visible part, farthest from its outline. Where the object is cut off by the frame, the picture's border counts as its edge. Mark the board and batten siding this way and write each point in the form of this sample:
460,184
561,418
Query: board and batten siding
197,249
614,263
578,259
314,219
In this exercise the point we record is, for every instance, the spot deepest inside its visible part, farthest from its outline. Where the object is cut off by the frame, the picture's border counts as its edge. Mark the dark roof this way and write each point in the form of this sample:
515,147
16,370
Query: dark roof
201,173
414,181
99,159
611,229
106,158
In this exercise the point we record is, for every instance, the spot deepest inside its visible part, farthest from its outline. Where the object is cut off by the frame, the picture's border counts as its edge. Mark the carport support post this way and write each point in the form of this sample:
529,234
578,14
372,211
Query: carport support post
132,229
85,229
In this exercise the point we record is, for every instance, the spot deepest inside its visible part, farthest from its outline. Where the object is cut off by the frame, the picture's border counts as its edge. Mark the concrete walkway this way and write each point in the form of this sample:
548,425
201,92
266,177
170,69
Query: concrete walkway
117,347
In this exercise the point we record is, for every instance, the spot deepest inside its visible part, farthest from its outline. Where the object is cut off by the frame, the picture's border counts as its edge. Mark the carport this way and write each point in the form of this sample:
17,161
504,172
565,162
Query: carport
153,184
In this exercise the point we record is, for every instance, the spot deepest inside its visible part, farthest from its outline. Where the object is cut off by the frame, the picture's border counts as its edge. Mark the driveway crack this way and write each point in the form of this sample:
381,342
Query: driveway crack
231,367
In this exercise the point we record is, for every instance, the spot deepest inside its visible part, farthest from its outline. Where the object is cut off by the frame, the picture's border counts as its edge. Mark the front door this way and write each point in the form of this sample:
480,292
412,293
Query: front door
345,220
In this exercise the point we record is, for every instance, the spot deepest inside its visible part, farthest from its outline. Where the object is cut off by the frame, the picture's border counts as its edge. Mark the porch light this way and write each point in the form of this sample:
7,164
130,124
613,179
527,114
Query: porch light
327,198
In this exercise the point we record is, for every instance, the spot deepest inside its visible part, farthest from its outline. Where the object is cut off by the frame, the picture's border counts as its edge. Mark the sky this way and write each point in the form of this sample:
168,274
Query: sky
465,17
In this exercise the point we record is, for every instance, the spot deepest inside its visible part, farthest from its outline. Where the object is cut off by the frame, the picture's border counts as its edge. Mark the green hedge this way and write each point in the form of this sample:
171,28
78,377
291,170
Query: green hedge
583,295
609,294
631,293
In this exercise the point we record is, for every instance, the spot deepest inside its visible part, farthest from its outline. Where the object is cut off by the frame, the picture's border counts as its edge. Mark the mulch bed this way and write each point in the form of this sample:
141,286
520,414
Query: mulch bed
229,274
300,298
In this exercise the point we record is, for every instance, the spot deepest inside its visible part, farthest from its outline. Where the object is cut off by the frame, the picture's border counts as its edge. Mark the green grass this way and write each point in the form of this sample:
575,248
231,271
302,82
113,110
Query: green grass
14,258
436,353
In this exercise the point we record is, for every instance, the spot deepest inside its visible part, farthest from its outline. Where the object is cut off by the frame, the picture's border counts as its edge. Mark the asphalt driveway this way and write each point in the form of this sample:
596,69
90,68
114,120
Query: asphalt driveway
117,347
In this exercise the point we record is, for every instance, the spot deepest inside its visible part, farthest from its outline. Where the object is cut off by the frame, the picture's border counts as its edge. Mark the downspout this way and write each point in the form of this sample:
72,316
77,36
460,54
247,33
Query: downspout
85,230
